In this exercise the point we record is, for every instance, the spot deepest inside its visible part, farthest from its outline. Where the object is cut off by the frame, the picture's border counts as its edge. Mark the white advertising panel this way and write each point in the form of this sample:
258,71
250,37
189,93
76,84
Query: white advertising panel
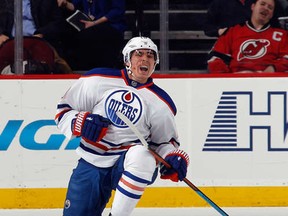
234,130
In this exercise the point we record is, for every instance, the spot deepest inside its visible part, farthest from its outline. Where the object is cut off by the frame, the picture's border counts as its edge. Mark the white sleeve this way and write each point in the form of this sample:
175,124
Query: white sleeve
162,125
163,130
165,149
82,96
65,125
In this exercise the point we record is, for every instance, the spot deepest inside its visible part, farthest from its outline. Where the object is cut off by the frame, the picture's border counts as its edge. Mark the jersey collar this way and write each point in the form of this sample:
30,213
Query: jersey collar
134,83
251,26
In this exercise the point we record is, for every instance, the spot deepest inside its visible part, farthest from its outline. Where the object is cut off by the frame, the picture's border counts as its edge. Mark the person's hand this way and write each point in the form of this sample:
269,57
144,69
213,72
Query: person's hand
179,160
3,38
62,3
244,72
269,69
88,24
221,31
66,4
38,35
91,127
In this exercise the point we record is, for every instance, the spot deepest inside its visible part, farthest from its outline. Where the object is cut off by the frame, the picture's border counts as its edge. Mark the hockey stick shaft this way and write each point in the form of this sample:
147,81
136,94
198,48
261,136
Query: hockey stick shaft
162,160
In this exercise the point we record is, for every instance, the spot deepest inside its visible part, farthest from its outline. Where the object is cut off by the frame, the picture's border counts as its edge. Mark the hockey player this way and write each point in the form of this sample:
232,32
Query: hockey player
252,47
111,155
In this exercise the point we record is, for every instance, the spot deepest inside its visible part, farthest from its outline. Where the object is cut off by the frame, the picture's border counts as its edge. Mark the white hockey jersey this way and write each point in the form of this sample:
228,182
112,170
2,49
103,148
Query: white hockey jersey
104,91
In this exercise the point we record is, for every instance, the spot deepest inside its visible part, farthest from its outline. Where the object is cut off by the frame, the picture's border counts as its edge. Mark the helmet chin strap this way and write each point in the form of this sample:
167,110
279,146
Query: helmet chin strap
154,68
128,67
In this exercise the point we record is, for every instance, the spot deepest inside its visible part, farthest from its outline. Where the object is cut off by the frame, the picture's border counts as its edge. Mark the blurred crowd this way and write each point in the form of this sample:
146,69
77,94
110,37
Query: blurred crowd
98,44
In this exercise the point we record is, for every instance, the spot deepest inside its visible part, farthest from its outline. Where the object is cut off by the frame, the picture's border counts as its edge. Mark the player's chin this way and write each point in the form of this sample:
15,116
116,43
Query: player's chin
145,73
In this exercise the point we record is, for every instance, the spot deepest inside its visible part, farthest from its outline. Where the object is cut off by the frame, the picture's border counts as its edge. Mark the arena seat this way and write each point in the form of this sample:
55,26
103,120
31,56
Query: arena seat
38,55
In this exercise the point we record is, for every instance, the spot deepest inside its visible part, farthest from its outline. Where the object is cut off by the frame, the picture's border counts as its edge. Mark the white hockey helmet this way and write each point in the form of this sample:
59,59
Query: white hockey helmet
139,43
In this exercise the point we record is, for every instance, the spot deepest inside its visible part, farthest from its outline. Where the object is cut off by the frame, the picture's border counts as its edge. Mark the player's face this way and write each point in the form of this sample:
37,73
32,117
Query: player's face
142,64
262,11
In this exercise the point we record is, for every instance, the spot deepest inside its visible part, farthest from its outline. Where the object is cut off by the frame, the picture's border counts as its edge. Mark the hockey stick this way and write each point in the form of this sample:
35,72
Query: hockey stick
160,159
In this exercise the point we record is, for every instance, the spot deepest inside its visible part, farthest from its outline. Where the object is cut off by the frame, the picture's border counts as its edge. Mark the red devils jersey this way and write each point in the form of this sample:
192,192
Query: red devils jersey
244,48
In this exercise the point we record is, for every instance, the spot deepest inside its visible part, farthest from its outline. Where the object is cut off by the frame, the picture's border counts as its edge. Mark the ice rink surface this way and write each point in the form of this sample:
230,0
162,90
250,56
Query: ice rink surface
263,211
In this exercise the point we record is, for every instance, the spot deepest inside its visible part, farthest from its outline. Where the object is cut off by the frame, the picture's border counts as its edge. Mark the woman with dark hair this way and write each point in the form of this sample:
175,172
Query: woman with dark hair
102,37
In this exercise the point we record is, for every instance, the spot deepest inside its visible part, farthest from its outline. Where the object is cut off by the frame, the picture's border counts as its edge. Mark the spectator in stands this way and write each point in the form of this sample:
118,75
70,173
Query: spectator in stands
41,18
223,14
251,47
101,41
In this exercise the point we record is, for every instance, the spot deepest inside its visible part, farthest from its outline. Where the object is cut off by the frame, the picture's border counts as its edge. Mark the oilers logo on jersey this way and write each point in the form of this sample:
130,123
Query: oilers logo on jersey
126,102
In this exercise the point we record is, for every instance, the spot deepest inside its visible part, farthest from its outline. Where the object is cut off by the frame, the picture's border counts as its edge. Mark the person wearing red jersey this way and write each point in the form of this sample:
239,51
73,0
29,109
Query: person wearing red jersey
251,47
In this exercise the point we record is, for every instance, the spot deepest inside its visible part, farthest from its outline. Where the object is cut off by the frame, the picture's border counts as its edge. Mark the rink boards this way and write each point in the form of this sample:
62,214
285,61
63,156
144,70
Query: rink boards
234,129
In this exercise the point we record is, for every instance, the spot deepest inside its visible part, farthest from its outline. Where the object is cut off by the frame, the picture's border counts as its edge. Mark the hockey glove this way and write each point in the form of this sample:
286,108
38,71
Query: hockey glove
179,161
91,127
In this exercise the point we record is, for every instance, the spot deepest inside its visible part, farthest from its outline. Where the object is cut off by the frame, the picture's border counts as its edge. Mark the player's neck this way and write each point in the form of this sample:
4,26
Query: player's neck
135,78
